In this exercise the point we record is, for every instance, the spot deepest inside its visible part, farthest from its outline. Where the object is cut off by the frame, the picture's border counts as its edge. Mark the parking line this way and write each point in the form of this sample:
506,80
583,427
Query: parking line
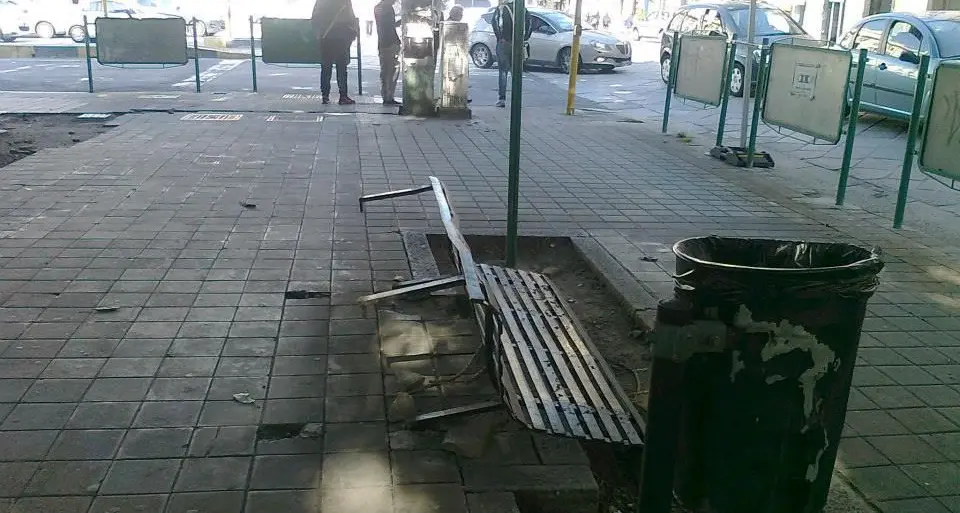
211,73
21,68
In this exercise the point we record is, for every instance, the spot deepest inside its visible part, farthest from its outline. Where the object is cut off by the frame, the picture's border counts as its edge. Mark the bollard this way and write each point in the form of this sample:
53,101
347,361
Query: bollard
419,62
676,338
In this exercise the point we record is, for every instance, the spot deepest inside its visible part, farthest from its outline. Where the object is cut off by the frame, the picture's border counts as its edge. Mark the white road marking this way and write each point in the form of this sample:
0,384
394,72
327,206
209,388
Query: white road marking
211,73
21,68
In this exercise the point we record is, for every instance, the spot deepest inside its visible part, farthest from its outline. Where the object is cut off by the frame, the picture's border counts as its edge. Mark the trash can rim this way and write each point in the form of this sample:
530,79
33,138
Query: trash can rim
874,258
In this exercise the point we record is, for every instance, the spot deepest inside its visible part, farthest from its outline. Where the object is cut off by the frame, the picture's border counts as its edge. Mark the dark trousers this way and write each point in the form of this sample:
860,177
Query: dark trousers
334,53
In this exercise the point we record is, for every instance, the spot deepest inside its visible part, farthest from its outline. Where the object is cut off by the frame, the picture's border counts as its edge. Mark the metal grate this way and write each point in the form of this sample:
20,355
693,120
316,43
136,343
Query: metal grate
294,118
211,117
301,97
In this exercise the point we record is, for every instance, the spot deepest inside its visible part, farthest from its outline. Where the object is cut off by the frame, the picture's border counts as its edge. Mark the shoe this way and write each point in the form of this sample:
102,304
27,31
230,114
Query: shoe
346,100
391,102
501,103
326,100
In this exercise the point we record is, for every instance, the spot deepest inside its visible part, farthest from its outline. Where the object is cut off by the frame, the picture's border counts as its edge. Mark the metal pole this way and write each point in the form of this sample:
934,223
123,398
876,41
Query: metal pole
86,43
671,78
516,104
851,128
196,54
911,142
574,57
106,12
253,56
757,102
748,72
725,98
359,63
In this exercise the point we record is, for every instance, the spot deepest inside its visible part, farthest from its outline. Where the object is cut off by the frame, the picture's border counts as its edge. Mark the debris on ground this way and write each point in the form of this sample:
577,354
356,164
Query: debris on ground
106,309
312,430
402,408
243,398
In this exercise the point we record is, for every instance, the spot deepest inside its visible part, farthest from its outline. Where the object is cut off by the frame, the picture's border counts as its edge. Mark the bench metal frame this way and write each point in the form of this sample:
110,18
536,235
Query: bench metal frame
541,362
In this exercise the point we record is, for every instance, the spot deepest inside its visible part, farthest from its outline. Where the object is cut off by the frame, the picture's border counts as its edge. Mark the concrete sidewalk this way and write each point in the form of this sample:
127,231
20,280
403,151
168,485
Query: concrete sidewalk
133,408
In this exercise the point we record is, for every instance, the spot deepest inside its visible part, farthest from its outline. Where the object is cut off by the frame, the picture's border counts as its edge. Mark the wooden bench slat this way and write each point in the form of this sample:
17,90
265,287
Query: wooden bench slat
617,402
584,365
465,262
558,392
555,349
522,372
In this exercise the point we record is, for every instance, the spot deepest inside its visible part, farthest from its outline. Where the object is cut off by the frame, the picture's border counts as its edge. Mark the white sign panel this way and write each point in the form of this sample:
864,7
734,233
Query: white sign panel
700,68
807,90
941,138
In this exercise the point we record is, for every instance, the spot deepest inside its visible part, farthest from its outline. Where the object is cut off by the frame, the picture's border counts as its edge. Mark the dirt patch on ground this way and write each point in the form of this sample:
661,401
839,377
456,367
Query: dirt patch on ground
609,327
22,135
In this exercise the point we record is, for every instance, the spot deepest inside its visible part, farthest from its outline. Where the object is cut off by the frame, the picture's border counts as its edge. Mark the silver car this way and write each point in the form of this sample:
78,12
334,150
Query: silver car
894,42
550,44
12,20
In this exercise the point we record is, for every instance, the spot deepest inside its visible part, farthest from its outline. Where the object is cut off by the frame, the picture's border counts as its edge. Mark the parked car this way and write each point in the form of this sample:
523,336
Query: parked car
894,42
550,44
652,25
729,19
115,9
12,20
472,11
209,20
51,18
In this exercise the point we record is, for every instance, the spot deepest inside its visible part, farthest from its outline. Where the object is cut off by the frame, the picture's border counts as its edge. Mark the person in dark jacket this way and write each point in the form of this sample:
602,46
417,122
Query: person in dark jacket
502,24
388,45
335,26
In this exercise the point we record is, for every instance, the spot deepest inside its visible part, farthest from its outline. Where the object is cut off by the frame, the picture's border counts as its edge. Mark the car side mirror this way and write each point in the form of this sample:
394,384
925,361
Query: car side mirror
546,29
911,57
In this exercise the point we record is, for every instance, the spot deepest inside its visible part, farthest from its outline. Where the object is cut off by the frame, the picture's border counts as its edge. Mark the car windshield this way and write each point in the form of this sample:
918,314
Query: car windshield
947,34
560,21
770,22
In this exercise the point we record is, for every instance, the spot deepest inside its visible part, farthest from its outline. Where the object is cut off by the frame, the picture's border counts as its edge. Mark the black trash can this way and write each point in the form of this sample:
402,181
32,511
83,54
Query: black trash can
762,417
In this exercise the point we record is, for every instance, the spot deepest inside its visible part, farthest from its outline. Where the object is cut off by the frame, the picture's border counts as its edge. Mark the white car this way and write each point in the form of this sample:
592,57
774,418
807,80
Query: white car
550,44
51,18
12,22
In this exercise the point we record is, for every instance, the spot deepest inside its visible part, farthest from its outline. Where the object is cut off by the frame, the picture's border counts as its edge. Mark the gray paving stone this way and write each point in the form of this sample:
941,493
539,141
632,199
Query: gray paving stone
178,389
905,449
212,474
293,411
291,501
93,444
936,478
168,414
885,483
229,413
223,441
51,505
67,478
15,476
132,503
38,416
356,470
206,502
140,476
424,467
25,445
287,471
155,443
431,498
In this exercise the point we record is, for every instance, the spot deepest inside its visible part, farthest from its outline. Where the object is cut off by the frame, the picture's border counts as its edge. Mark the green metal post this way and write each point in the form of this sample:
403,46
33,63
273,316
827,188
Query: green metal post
725,96
86,44
851,128
671,78
911,141
196,54
759,93
516,104
359,63
253,56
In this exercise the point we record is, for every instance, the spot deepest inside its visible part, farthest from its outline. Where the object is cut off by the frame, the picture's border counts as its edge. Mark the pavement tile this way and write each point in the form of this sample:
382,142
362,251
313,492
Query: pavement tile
212,474
168,414
356,470
89,444
26,416
14,476
52,505
140,476
276,472
424,467
431,498
289,501
67,478
132,503
223,441
206,502
155,443
936,478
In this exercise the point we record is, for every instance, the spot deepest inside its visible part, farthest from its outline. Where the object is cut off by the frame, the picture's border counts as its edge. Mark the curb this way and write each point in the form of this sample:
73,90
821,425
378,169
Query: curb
639,302
18,51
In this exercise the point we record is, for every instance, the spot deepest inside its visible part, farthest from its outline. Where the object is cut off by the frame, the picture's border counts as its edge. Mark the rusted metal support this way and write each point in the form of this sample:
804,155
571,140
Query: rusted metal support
430,286
394,194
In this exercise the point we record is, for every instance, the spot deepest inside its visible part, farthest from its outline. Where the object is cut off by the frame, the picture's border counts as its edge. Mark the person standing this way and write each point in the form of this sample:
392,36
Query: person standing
388,46
502,24
335,26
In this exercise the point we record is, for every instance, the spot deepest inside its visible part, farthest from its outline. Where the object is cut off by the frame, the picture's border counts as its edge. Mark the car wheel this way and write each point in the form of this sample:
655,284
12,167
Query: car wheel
481,55
45,30
201,29
665,68
736,80
76,33
563,60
